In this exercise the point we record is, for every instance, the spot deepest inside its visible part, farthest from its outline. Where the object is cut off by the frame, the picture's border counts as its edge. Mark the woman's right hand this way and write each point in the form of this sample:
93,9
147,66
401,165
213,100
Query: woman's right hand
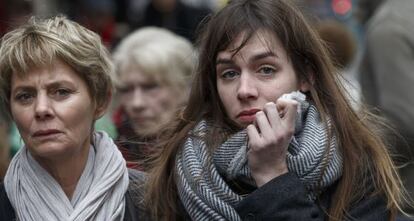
269,139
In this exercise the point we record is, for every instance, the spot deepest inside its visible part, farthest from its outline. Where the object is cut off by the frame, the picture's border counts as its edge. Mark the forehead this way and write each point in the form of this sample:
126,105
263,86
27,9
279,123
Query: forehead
261,40
55,71
135,74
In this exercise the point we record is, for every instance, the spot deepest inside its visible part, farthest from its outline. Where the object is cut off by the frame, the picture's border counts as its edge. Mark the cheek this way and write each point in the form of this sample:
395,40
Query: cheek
79,119
222,94
165,100
22,119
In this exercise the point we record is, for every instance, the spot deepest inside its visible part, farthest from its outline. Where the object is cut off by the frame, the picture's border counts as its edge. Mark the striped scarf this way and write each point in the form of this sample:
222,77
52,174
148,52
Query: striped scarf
201,176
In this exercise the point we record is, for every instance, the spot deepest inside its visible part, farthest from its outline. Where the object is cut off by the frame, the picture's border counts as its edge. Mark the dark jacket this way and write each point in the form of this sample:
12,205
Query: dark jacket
7,211
183,20
285,198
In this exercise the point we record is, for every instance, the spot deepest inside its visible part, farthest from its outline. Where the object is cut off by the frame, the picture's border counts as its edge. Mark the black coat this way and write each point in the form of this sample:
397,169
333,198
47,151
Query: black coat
7,211
286,198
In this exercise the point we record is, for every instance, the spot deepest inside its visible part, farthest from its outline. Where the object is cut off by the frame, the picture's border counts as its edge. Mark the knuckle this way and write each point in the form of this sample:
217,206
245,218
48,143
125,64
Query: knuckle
289,132
270,106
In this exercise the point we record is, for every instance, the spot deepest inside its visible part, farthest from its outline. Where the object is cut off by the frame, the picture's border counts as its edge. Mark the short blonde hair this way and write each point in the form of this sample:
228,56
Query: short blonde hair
41,41
157,53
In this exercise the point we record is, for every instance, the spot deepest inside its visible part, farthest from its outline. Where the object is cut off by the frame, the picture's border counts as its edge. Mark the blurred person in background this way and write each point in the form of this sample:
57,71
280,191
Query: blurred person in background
153,69
174,15
342,46
55,80
4,140
366,9
387,77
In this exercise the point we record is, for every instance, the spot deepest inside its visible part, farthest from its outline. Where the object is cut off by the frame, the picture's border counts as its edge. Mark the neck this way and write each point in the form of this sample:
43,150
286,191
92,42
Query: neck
66,170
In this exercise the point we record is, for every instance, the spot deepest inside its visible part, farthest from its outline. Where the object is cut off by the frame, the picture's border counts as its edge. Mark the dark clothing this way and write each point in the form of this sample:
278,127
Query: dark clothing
134,149
286,198
389,57
7,211
183,20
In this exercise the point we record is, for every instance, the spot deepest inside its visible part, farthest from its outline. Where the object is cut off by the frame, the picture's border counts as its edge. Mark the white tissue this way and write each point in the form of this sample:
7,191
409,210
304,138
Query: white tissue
297,96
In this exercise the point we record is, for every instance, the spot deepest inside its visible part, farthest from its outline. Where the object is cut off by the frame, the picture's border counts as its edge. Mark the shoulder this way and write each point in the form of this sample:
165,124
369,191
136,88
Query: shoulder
136,176
6,209
136,186
135,209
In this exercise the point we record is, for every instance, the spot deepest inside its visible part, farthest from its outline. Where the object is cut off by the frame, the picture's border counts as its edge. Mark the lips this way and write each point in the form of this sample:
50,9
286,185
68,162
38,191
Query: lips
45,133
247,116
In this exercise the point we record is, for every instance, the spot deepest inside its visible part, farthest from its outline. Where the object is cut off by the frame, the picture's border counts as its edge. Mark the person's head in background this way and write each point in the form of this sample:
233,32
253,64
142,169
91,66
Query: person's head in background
153,68
342,47
339,40
4,140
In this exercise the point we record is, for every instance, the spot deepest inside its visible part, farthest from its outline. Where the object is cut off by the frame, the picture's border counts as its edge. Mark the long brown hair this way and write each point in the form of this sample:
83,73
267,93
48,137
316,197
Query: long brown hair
366,160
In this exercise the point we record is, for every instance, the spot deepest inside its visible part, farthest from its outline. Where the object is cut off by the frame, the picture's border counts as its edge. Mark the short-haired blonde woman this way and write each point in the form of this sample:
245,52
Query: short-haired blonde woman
153,67
55,81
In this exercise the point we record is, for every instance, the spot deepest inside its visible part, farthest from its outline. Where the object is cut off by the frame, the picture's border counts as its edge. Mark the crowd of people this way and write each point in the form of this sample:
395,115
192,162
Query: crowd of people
249,111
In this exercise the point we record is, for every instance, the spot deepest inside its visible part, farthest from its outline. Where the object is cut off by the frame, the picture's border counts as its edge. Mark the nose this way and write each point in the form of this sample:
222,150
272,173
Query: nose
246,89
42,107
138,99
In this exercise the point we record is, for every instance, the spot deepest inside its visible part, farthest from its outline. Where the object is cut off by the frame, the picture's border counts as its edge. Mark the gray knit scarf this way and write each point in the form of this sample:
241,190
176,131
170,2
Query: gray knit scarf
201,177
99,194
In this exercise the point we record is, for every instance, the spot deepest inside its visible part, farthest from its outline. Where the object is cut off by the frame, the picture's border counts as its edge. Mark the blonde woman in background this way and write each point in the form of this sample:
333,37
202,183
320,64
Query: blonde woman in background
153,69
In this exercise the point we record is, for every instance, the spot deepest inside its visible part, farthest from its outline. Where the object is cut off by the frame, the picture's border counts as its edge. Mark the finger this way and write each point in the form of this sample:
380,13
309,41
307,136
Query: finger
263,124
290,109
272,115
253,134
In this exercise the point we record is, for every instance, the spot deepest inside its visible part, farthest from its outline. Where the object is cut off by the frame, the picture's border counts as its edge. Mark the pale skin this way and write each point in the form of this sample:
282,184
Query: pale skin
147,101
249,84
54,113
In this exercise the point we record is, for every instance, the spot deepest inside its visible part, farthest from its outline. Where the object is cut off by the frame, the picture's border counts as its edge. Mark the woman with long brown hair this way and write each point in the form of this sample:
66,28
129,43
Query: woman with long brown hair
268,133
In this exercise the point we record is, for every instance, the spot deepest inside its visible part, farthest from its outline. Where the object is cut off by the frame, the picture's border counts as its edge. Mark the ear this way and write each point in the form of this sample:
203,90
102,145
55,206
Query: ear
101,109
306,83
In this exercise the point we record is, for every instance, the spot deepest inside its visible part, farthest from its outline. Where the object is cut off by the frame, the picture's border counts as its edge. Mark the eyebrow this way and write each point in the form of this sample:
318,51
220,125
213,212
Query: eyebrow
263,55
254,58
53,84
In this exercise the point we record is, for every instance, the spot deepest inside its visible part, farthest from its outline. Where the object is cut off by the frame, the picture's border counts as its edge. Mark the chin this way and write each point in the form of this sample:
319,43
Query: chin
49,150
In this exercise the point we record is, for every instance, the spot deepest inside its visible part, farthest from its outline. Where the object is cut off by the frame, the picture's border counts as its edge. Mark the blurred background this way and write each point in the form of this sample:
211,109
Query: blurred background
113,19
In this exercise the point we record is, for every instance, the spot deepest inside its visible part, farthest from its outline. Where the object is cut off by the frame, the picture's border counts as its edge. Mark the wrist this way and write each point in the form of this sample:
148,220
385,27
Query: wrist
263,178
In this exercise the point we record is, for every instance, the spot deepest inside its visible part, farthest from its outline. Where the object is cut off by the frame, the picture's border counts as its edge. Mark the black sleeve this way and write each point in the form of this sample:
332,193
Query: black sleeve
283,198
134,209
6,209
370,208
286,198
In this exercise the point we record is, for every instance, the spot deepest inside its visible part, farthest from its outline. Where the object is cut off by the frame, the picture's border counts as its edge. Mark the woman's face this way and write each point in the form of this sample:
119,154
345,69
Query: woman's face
147,102
259,73
53,111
